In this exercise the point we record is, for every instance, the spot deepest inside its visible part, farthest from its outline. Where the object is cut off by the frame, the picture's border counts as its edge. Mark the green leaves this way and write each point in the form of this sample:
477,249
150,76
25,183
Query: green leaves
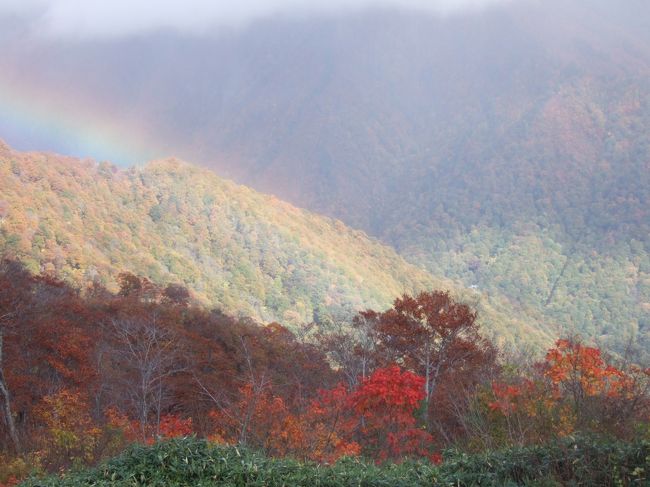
235,249
579,461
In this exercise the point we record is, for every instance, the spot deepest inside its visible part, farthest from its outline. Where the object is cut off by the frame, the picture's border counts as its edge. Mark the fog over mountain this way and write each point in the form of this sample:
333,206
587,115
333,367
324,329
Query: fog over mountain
505,146
243,240
96,18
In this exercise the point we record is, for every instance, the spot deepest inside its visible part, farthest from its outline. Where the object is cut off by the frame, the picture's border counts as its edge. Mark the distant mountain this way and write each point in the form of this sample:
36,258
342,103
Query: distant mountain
508,149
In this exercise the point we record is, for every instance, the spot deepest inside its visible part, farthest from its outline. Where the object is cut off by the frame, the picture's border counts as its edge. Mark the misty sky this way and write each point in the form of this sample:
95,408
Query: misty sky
102,18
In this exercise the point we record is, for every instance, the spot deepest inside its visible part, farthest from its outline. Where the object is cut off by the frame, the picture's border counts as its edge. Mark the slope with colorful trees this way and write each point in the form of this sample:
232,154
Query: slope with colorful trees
83,376
246,253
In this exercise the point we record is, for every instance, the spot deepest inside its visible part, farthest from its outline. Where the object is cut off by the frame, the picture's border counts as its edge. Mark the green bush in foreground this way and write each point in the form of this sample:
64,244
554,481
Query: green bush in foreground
580,461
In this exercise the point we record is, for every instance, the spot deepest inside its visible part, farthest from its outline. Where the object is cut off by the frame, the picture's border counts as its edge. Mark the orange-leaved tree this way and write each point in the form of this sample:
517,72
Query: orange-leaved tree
573,389
597,392
69,436
330,426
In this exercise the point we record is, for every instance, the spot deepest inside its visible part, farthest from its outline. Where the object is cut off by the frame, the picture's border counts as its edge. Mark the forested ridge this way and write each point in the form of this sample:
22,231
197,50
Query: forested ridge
236,249
505,148
246,253
509,151
411,246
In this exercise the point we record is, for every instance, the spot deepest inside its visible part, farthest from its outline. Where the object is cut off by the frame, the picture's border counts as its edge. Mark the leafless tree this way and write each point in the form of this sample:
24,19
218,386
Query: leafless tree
352,347
148,355
259,383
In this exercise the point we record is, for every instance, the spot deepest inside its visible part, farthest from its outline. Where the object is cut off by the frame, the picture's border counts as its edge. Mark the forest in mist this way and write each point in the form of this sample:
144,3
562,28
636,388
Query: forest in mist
411,241
505,148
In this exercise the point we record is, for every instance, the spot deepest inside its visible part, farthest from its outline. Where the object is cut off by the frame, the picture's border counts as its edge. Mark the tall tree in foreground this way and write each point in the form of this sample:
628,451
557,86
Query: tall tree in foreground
13,279
47,342
601,396
437,338
575,389
147,352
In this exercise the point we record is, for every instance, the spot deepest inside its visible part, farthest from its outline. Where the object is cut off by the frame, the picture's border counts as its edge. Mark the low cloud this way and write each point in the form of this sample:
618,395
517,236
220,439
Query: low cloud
115,18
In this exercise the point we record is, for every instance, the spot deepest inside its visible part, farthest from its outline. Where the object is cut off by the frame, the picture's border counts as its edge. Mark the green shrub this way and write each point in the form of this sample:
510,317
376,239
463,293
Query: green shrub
574,461
580,461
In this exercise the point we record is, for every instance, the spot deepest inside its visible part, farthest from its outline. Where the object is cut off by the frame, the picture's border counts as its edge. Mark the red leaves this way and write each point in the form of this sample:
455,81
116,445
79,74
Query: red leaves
438,338
386,403
261,383
378,418
573,389
173,426
12,481
259,419
389,391
506,396
330,427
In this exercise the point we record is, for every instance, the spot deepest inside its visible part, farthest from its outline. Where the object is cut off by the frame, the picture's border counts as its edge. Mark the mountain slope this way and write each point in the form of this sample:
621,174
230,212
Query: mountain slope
245,252
506,149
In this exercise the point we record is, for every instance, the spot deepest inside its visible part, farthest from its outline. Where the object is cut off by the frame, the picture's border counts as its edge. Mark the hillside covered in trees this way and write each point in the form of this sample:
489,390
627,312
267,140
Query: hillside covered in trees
238,250
245,253
506,148
414,249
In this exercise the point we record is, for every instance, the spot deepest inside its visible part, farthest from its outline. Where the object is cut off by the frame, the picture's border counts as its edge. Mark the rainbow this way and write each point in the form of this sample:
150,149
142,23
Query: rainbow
35,119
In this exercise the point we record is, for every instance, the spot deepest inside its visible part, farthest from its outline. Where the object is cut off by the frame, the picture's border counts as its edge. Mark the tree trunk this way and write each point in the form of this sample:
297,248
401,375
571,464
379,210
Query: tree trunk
427,383
6,405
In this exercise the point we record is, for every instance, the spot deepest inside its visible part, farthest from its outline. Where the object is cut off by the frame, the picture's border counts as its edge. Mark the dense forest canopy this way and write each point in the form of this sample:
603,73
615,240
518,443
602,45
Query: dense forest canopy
244,252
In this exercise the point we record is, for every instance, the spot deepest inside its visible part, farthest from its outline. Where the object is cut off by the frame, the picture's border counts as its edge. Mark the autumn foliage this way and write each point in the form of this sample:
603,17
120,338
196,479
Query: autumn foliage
387,402
574,389
84,376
